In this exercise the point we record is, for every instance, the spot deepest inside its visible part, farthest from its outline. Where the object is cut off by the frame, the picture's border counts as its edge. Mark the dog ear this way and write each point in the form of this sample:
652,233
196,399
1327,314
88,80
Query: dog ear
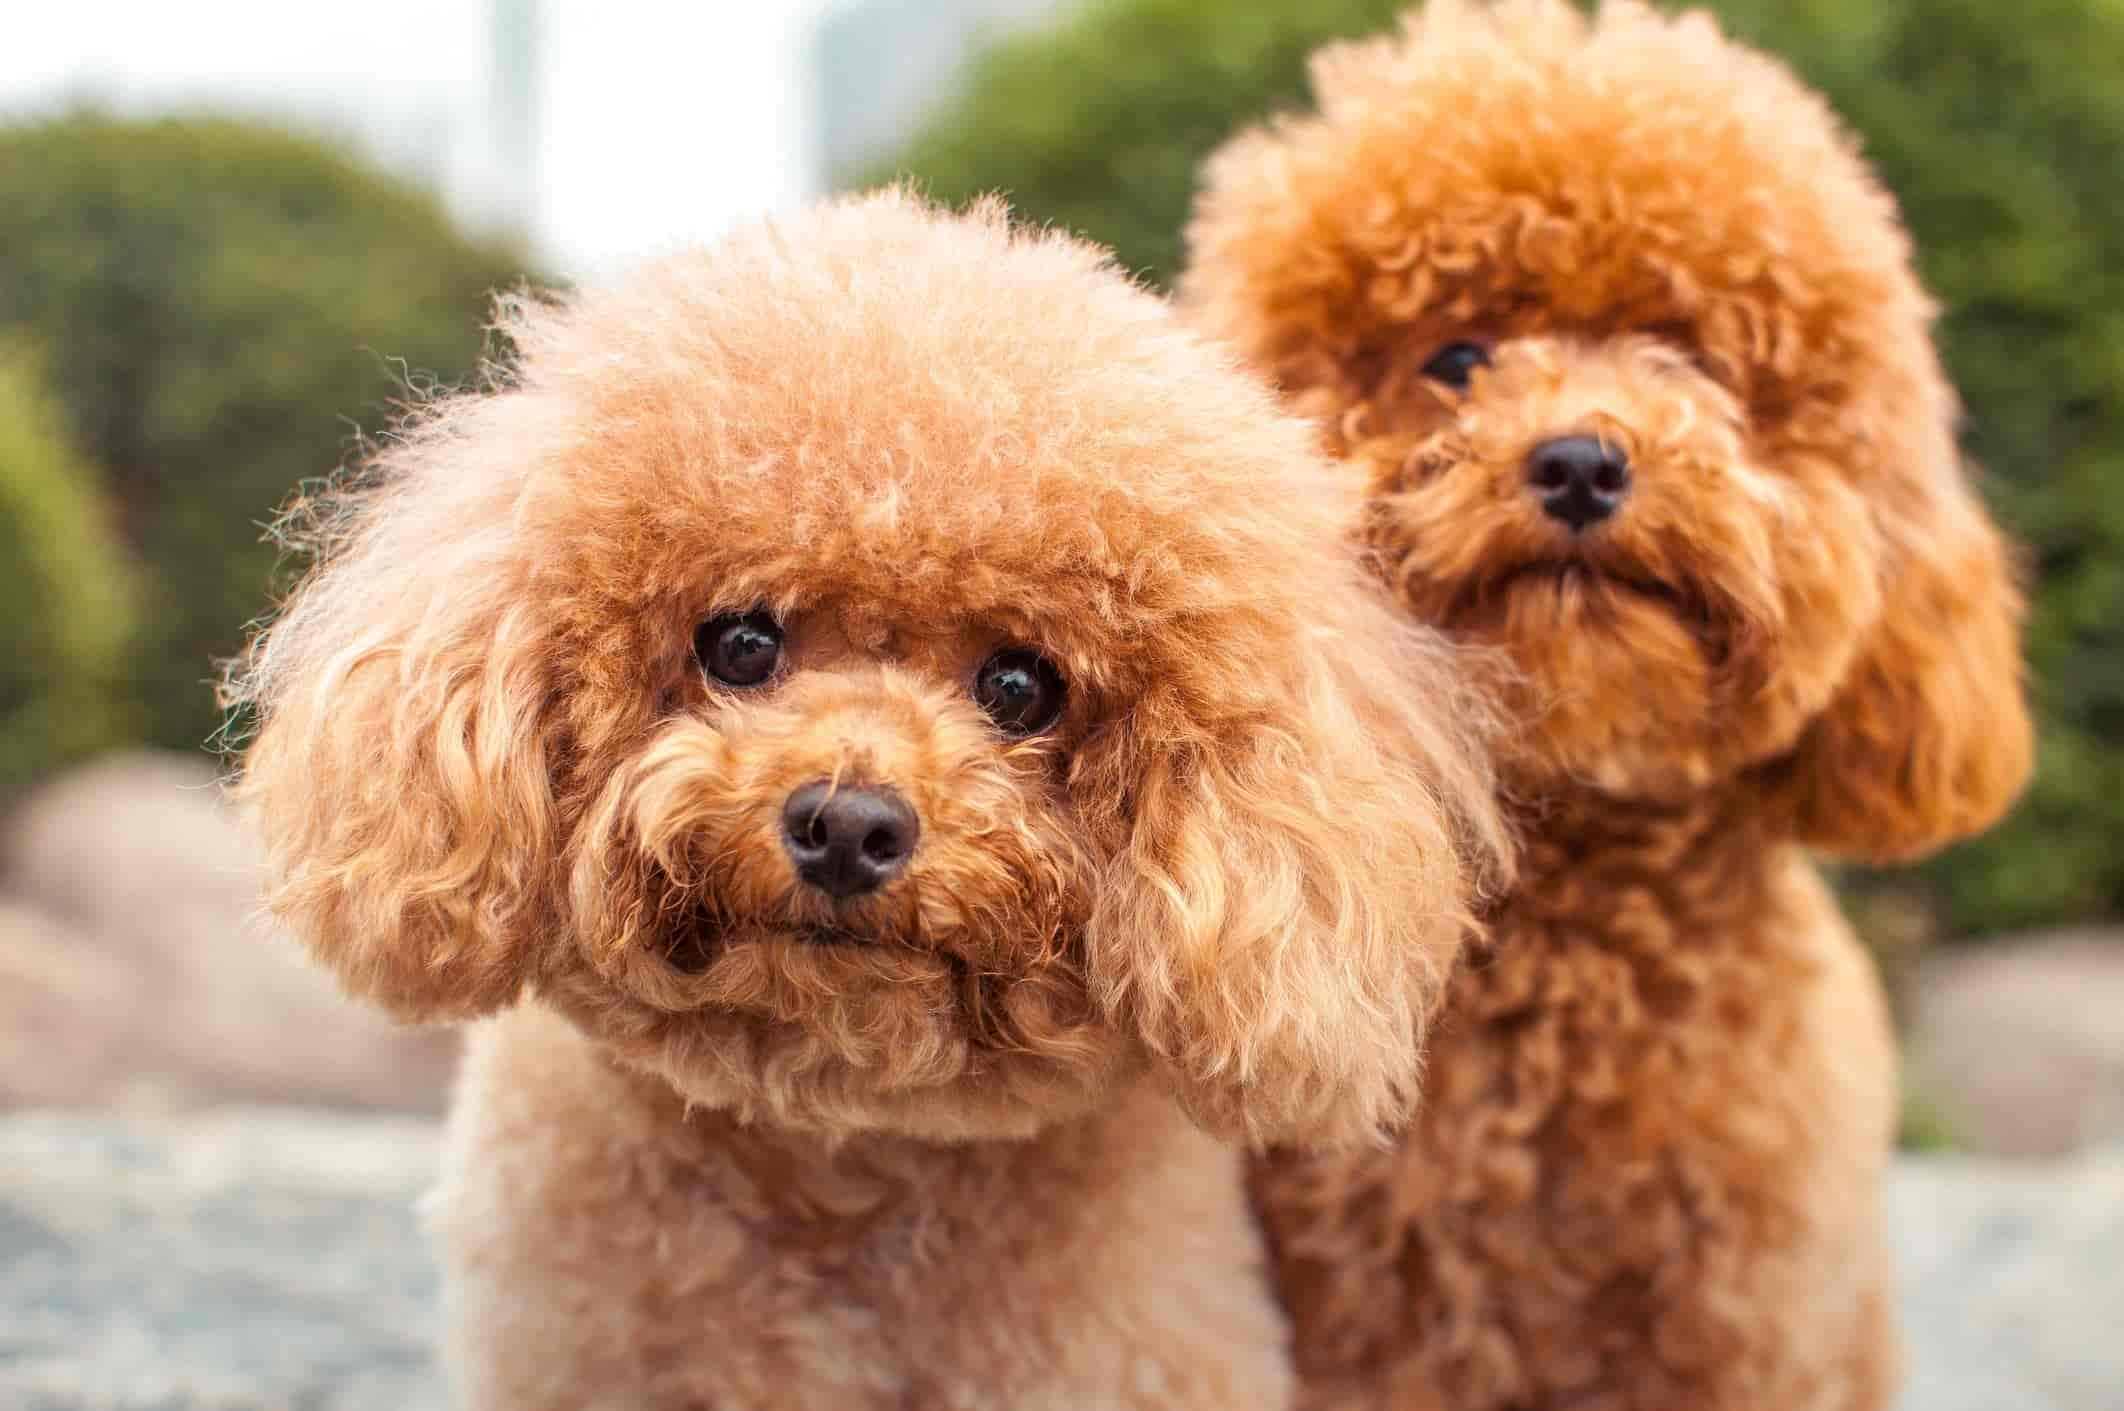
1298,873
399,772
1928,739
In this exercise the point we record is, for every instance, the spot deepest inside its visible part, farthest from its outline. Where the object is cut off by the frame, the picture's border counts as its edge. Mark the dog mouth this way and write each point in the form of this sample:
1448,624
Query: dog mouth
1571,593
692,949
1588,582
833,937
978,1004
996,994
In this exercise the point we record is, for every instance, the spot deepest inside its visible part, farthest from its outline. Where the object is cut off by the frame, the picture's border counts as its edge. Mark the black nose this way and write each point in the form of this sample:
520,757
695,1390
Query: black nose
1578,479
850,840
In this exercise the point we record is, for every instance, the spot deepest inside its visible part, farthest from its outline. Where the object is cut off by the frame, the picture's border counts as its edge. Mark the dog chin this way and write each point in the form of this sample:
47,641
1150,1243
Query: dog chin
1618,677
782,1077
1571,592
832,1029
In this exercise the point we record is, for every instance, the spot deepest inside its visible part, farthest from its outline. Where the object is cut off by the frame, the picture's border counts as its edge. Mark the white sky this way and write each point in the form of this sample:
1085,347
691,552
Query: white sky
661,120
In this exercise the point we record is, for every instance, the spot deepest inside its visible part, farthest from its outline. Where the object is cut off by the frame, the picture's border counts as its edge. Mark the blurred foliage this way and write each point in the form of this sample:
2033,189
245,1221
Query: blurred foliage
1098,122
221,305
1922,1125
2000,126
66,582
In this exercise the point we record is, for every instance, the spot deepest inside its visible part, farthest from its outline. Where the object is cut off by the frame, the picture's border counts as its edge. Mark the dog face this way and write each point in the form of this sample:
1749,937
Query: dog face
1627,345
879,674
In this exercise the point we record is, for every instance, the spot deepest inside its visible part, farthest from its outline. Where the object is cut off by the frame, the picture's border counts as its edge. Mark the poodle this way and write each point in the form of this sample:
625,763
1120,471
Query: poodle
879,714
1624,339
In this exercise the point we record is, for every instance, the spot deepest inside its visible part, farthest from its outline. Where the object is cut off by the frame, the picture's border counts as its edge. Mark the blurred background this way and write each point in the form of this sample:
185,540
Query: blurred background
234,235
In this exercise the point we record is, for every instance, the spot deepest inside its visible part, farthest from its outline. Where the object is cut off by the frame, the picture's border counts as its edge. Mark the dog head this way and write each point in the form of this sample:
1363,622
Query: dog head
880,673
1627,341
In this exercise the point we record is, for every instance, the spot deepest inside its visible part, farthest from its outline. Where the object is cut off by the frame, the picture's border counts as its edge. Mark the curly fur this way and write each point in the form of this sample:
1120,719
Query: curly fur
708,1159
1646,1171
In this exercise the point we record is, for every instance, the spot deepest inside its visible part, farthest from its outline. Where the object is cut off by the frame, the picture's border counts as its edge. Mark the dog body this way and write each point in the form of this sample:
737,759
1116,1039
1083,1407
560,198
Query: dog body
1625,341
605,1250
1647,1168
823,697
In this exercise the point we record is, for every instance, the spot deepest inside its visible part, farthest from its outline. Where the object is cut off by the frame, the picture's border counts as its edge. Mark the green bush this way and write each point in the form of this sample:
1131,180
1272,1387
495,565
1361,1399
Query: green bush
2000,127
66,583
222,305
1098,123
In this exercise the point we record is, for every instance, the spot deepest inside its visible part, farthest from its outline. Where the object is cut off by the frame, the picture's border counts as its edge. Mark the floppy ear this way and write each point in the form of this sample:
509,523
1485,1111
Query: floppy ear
399,772
1928,739
1298,876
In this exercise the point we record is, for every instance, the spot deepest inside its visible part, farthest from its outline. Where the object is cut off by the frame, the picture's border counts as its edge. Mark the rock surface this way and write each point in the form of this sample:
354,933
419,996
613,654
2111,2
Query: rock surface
137,973
270,1260
2020,1042
244,1261
2012,1283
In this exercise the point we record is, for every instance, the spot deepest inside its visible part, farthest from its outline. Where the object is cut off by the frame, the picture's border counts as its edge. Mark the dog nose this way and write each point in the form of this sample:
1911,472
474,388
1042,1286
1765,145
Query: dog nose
1578,479
850,840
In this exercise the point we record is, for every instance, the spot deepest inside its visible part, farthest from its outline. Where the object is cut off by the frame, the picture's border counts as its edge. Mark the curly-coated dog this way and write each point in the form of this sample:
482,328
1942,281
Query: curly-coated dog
884,711
1625,339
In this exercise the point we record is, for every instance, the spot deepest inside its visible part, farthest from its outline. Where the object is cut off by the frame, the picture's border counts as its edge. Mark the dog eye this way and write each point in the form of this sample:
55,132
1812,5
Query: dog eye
1021,691
1455,363
739,649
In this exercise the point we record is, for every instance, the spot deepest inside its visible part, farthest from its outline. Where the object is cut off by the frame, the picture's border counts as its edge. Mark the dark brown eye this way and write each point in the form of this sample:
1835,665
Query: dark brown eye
1455,363
739,649
1021,691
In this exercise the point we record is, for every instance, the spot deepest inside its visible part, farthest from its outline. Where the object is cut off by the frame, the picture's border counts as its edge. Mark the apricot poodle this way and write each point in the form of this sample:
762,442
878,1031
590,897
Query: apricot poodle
885,717
1624,338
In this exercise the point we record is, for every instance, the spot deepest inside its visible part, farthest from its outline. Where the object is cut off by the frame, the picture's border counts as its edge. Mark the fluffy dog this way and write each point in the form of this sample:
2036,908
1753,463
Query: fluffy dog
886,715
1626,342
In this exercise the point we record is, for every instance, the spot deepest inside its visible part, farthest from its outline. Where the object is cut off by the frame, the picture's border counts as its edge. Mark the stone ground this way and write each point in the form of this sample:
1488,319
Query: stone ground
2013,1282
261,1260
270,1260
